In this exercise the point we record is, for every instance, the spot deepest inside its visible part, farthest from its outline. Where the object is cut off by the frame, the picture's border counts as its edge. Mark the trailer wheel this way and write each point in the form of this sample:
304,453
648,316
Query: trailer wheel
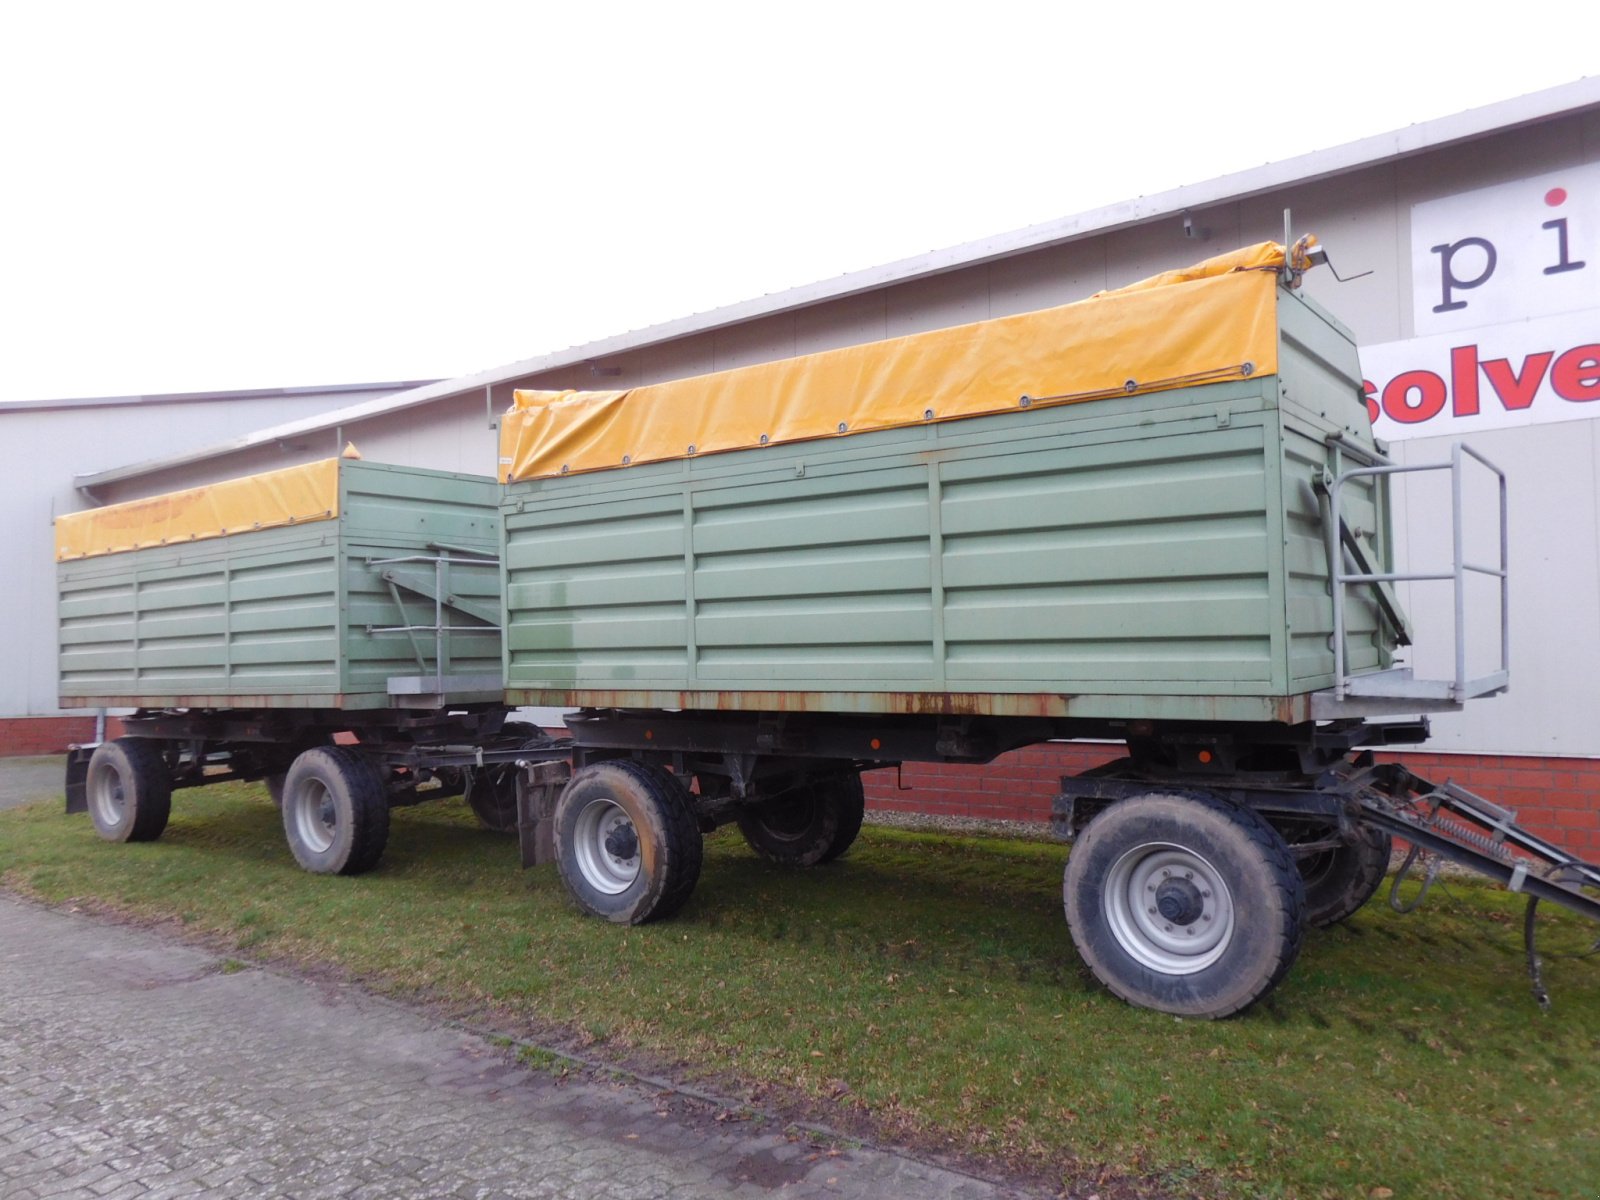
335,811
628,845
129,790
812,826
1184,904
683,883
1338,882
492,791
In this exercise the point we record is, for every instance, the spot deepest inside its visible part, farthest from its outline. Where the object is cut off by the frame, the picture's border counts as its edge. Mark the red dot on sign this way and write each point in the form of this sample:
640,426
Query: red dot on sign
1555,196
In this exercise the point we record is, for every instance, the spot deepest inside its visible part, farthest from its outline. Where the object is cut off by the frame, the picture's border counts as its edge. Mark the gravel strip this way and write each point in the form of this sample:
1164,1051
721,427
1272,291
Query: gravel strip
1028,831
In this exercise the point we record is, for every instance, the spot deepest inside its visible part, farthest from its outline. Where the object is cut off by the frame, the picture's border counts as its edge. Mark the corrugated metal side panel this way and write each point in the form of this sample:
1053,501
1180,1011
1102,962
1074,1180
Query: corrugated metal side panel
1321,395
254,614
95,630
808,579
283,621
390,512
1112,567
1055,552
598,593
381,502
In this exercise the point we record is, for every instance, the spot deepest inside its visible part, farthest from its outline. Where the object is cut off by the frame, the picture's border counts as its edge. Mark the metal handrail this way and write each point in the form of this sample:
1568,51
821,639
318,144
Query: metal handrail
441,576
1458,572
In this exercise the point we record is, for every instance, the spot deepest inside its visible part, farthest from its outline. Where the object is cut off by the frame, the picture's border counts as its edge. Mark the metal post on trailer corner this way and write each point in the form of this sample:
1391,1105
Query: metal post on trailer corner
439,581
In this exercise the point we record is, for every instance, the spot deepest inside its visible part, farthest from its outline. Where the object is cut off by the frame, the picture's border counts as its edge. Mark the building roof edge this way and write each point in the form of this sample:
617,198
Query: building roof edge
1414,139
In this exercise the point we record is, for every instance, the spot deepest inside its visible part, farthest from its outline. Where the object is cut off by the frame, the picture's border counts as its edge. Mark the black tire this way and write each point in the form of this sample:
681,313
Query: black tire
1338,882
283,759
851,798
1184,904
628,844
491,792
683,883
810,826
335,811
129,790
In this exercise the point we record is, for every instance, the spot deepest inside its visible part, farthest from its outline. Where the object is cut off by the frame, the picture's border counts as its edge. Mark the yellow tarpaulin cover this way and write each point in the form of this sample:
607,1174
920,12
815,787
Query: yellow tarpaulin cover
1212,321
291,496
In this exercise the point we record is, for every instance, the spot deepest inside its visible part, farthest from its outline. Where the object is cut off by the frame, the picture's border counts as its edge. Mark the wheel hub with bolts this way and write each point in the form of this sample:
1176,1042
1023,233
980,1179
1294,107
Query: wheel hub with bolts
1168,908
622,842
1179,901
606,846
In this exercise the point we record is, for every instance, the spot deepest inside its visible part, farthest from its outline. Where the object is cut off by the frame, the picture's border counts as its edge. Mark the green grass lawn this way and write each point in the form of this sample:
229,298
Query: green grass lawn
924,987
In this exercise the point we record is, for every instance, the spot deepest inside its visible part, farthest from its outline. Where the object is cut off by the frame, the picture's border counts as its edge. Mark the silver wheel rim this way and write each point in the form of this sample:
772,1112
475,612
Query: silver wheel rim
600,827
1168,908
316,819
107,797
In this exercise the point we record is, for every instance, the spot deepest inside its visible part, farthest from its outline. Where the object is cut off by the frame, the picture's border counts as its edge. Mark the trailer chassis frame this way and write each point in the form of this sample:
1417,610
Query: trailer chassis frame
1443,821
207,746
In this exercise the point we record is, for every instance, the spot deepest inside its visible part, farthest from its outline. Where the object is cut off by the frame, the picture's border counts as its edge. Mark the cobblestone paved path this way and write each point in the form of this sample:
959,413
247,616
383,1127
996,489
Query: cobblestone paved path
134,1066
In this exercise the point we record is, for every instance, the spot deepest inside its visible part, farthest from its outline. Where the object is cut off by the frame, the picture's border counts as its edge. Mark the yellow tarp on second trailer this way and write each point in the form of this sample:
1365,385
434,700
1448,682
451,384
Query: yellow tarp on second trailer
1212,321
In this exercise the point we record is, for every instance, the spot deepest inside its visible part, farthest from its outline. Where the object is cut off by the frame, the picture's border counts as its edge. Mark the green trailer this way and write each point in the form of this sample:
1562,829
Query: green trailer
251,622
1157,517
338,585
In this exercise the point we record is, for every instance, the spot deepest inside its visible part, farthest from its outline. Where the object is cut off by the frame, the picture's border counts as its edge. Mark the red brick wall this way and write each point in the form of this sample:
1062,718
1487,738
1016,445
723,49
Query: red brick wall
21,736
43,735
1015,787
1556,798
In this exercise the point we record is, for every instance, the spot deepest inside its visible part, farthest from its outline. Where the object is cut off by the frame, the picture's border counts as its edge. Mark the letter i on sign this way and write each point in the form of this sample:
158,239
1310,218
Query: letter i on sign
1555,198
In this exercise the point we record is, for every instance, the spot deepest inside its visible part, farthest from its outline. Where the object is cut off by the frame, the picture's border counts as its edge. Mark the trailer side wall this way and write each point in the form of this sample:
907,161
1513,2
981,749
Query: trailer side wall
279,617
1156,554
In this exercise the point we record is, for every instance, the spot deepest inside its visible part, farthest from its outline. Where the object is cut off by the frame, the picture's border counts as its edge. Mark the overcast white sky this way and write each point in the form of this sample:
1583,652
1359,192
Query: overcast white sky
238,195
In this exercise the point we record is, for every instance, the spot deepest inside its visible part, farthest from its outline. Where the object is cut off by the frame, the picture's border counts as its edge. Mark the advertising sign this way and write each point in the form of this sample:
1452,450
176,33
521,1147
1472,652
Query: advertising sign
1524,373
1505,291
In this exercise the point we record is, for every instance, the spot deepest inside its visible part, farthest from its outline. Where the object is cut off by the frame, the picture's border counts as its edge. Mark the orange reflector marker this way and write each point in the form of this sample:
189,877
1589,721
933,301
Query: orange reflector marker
1205,756
876,744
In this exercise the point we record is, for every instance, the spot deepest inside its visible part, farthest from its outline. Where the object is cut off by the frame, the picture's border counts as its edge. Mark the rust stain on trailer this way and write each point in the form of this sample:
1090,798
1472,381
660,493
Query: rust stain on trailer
231,700
953,704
